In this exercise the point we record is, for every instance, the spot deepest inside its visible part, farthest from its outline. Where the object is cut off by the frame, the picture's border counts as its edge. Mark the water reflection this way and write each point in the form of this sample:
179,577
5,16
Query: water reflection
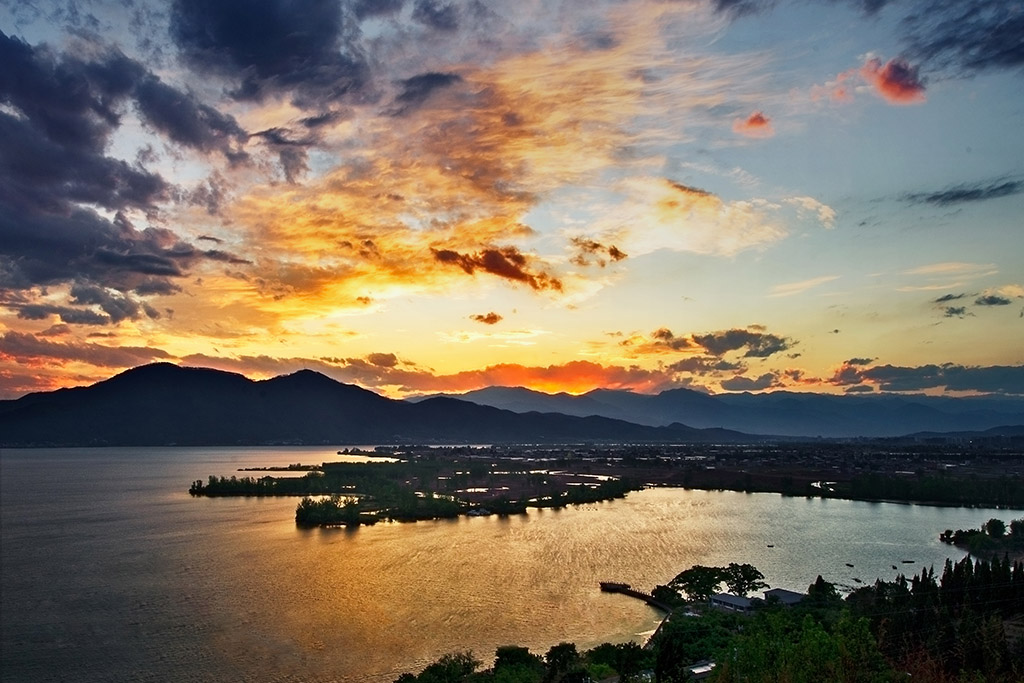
112,572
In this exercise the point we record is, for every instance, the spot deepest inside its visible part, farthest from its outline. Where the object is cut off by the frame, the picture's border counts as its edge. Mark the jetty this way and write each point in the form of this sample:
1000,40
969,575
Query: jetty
624,589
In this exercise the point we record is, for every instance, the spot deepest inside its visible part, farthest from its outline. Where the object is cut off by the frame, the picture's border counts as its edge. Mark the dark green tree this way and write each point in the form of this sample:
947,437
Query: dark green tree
995,528
743,578
562,659
451,668
698,582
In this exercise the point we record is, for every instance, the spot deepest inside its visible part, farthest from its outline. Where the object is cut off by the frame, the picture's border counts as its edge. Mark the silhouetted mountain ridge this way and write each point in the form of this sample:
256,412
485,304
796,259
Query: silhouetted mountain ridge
781,413
163,404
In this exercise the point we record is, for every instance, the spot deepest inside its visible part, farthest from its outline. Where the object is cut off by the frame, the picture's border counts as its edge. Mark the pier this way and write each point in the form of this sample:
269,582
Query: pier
624,589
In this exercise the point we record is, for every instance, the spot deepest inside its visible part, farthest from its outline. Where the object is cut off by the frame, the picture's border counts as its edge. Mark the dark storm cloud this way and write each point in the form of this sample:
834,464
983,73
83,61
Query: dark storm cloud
967,193
991,379
437,15
739,8
61,112
417,89
955,312
382,360
741,383
371,8
506,262
859,361
966,36
327,117
992,300
21,347
67,314
188,122
58,330
290,149
945,298
271,46
757,344
664,338
156,286
703,365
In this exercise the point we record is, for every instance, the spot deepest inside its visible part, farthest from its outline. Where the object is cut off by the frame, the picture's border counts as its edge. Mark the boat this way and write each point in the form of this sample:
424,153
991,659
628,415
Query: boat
848,564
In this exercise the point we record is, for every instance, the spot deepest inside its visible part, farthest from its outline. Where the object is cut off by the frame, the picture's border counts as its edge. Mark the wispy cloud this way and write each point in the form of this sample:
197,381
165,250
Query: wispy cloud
791,288
964,193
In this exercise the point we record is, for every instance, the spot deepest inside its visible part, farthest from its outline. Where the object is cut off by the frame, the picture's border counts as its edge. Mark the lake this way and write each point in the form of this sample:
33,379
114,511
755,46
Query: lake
112,572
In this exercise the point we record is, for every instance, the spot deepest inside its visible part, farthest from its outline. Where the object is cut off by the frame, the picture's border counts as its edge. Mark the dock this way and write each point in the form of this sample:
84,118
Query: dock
624,589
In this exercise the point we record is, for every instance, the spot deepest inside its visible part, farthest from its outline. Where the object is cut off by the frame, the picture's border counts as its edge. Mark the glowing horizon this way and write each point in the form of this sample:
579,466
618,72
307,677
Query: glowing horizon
421,196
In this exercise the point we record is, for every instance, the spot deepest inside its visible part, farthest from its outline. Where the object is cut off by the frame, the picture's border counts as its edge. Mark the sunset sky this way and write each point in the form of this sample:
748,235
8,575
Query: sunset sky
420,196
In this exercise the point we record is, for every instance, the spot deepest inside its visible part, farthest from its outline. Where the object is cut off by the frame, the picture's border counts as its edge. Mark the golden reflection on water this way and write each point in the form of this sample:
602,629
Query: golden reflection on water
384,599
130,577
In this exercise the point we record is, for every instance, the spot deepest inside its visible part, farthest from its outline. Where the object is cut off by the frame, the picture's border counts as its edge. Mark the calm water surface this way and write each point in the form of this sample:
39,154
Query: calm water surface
112,572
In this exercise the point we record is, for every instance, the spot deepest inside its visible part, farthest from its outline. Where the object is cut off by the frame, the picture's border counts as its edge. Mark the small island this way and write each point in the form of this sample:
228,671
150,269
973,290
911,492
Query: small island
423,487
408,483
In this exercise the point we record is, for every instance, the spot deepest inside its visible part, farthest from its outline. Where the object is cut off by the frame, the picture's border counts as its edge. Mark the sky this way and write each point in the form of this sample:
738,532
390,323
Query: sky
422,196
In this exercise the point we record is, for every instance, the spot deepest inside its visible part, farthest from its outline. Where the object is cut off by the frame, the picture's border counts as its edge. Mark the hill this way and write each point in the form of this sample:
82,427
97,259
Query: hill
781,413
163,404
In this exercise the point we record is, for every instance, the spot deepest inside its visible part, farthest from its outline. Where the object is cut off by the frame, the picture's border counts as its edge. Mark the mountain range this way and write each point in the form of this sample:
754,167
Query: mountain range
164,404
779,413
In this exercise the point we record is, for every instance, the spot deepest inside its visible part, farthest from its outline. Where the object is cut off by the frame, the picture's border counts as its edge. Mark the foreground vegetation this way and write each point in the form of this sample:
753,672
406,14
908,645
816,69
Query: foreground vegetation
957,628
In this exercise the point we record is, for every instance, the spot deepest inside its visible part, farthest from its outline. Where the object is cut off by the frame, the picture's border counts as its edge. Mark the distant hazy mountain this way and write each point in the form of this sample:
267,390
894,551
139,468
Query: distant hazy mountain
780,413
165,404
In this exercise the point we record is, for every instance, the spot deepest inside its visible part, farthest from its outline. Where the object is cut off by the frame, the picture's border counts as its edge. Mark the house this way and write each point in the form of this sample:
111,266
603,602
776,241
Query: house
700,670
788,598
732,603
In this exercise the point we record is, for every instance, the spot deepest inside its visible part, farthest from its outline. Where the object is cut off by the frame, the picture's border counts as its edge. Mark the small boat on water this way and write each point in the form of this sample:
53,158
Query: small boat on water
858,580
907,561
770,545
848,564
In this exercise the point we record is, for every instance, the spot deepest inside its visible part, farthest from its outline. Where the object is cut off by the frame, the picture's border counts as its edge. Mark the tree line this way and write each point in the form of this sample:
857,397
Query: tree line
950,628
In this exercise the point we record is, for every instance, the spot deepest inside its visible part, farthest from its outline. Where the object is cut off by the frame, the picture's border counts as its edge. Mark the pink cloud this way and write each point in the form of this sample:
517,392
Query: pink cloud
757,125
896,80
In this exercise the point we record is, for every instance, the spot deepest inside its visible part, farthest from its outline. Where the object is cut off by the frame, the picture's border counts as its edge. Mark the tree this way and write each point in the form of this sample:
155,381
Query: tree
743,578
451,668
1017,529
514,664
995,528
698,582
822,593
561,659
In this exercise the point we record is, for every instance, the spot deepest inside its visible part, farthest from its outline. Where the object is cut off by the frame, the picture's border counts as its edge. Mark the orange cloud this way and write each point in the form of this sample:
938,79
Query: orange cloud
490,318
896,81
757,125
506,262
